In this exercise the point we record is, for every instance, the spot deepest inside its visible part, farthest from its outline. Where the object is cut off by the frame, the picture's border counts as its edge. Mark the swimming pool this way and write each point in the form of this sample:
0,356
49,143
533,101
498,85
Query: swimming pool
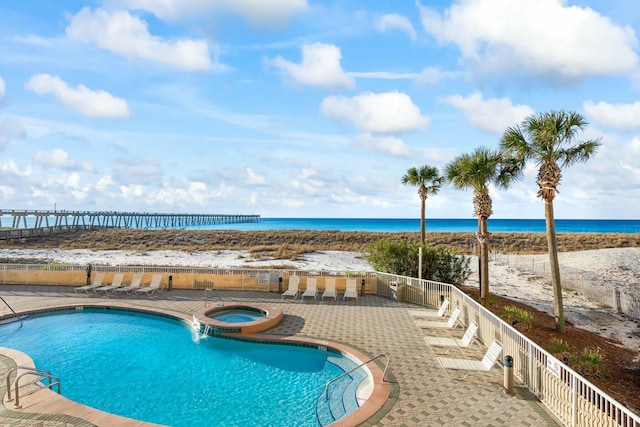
156,368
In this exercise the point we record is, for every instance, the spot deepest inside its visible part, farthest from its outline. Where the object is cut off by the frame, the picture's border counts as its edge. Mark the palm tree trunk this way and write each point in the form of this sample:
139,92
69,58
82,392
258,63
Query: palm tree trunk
558,307
422,220
483,238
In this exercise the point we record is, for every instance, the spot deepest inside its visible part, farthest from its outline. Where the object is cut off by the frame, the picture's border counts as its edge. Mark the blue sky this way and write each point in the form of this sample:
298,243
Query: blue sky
305,108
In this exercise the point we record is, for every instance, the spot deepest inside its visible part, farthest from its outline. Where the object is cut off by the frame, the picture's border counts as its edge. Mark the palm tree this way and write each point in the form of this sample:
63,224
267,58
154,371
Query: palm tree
428,180
477,171
549,140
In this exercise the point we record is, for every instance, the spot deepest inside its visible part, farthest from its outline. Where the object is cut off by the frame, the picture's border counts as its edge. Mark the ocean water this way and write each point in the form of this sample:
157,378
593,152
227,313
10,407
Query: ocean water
413,225
435,224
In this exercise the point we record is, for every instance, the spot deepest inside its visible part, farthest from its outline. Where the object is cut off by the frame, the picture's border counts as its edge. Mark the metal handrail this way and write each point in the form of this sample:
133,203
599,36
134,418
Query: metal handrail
214,293
13,311
384,373
41,374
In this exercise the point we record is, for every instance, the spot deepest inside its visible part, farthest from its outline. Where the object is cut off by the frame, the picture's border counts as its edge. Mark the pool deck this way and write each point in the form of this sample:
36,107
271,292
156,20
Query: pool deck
422,392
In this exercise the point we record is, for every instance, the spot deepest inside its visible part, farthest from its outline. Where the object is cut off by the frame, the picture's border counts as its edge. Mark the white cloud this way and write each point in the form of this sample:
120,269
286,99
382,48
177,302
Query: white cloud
542,37
10,128
432,75
493,115
9,165
258,13
2,88
254,179
619,116
121,33
58,158
97,104
385,144
394,21
388,112
320,66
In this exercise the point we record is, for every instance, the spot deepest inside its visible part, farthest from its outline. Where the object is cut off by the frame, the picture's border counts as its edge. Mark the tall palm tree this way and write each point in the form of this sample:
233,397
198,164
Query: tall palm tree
428,180
477,171
549,140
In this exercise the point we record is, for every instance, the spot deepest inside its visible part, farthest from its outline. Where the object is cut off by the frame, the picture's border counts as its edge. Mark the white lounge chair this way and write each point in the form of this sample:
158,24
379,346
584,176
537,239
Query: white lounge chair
463,342
451,323
330,288
294,283
425,313
115,283
97,282
153,286
135,284
351,291
490,358
311,290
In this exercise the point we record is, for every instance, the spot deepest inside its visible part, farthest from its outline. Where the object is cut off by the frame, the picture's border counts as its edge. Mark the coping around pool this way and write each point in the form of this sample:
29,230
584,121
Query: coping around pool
49,402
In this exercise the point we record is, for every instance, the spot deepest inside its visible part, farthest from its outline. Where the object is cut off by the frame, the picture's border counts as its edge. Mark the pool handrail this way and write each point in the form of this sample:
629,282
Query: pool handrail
384,373
41,374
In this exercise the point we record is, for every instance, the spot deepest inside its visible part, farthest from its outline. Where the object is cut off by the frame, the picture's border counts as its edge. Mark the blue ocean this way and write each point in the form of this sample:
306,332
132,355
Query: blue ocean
436,224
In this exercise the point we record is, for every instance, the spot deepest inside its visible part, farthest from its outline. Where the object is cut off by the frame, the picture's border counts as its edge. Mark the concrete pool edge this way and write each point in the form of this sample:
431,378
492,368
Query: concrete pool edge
49,402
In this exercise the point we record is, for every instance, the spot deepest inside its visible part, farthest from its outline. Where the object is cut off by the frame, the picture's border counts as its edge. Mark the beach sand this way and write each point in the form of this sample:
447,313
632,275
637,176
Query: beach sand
619,264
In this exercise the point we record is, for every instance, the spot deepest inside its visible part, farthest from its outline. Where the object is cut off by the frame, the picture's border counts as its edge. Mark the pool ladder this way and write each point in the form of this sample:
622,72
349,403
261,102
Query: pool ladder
13,311
34,385
384,373
215,293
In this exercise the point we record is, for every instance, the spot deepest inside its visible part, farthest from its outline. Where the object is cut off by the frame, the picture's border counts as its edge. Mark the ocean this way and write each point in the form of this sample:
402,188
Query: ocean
435,224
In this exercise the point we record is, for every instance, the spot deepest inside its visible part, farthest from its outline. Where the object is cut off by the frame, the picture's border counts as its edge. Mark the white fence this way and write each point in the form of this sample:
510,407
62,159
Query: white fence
570,397
604,291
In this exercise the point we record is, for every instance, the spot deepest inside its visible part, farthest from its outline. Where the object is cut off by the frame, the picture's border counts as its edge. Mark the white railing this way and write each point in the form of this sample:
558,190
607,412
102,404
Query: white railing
570,397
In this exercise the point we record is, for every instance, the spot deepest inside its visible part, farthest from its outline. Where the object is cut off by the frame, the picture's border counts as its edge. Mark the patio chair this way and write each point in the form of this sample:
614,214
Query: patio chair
425,313
330,288
490,358
311,290
135,284
153,286
97,282
463,342
294,283
451,323
351,290
115,283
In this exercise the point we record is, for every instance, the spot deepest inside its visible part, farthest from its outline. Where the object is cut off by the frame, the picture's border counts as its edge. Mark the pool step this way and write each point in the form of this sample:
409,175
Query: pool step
342,393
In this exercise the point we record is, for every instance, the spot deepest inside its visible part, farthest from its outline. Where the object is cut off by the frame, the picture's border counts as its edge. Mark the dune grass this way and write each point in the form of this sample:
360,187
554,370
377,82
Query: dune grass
290,244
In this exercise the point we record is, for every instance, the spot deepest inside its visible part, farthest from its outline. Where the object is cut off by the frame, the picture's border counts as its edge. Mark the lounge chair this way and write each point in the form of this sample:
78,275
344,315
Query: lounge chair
135,284
330,288
294,282
425,313
490,358
311,290
351,291
97,282
463,342
451,323
115,283
153,286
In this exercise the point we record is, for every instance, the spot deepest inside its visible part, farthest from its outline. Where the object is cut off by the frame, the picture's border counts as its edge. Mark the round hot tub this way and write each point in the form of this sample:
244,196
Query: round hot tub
237,318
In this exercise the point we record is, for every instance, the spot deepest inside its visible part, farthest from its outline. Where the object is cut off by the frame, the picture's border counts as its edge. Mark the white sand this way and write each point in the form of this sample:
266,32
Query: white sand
619,265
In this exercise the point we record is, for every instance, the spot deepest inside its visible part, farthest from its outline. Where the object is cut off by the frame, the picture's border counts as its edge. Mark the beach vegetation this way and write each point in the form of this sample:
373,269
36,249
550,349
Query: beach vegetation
589,362
477,171
428,180
400,257
559,346
517,317
548,139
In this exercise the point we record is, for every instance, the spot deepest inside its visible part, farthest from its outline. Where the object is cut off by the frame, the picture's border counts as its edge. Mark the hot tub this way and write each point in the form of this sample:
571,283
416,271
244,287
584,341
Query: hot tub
237,318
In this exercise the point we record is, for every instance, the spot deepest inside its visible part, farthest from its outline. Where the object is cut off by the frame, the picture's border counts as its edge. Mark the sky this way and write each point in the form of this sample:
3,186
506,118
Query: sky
308,108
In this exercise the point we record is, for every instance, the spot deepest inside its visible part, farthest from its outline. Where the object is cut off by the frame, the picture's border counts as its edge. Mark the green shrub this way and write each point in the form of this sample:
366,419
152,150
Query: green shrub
401,257
517,316
559,346
589,362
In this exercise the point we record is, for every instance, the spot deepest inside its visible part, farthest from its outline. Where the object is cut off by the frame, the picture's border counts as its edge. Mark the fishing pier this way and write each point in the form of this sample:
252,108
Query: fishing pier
32,223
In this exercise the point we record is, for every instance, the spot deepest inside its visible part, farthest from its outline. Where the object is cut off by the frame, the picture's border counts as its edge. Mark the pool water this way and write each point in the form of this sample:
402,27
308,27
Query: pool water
237,315
157,369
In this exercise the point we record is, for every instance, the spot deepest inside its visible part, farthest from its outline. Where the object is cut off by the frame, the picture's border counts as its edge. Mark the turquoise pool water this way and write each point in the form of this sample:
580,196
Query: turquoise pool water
237,315
157,369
